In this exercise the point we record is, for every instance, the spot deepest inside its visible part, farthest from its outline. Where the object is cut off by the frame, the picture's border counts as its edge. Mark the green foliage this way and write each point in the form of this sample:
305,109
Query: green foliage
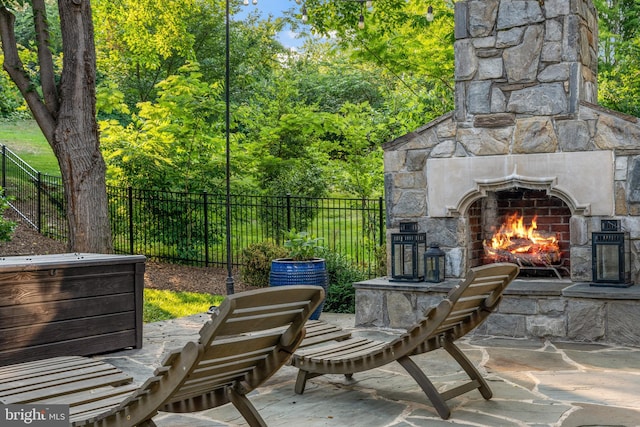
342,274
170,144
257,262
10,97
341,298
355,155
302,246
413,58
619,58
381,261
6,227
141,42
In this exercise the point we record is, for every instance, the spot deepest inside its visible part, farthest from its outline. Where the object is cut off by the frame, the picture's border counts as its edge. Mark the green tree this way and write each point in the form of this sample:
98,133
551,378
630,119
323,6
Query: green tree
10,97
172,144
403,45
619,59
141,42
64,107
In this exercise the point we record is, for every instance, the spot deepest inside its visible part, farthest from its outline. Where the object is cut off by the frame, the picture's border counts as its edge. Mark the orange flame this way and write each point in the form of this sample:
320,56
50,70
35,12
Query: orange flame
515,241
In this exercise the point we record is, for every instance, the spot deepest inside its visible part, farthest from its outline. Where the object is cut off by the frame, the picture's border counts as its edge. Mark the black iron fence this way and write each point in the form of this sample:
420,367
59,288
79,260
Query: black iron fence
36,197
190,228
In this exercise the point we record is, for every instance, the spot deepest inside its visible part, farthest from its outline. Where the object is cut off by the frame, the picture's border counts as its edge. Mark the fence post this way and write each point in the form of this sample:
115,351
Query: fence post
130,200
381,221
288,211
39,200
205,197
4,167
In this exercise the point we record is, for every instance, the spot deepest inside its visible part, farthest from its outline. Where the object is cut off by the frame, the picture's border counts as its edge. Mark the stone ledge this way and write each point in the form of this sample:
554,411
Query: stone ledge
588,290
528,287
532,308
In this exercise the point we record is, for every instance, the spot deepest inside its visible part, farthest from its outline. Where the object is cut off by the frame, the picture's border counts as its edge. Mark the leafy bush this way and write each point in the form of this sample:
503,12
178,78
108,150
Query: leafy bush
301,245
6,226
381,260
257,262
341,295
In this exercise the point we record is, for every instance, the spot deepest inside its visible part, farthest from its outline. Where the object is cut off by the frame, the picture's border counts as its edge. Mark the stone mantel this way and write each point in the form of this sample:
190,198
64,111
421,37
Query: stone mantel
583,180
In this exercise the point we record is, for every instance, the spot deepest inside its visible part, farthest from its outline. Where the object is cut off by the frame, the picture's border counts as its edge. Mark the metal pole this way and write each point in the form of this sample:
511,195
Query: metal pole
227,73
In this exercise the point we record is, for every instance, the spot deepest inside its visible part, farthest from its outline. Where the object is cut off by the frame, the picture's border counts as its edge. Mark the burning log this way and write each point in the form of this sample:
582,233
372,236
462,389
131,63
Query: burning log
522,245
535,257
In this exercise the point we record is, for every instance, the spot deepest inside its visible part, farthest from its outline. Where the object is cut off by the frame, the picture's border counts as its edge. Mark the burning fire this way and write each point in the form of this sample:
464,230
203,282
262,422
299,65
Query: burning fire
515,242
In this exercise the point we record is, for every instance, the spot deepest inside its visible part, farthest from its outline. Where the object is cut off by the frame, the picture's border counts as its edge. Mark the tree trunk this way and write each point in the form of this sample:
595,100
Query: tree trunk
67,117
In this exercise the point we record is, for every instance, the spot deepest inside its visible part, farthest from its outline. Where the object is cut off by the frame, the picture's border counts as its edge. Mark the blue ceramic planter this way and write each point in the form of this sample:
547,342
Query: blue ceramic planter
285,271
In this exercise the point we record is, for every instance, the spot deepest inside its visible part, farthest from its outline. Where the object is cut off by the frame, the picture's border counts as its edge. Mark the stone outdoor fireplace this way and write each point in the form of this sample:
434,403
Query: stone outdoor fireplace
526,137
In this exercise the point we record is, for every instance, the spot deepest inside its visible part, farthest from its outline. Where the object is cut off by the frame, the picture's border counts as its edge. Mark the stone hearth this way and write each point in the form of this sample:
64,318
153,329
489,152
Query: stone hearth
536,309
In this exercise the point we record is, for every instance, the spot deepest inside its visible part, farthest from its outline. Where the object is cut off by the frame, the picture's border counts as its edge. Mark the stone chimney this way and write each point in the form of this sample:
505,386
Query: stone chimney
523,58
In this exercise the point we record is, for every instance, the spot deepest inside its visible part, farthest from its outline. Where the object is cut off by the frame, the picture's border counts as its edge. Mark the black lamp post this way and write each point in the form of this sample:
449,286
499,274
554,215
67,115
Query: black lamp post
227,131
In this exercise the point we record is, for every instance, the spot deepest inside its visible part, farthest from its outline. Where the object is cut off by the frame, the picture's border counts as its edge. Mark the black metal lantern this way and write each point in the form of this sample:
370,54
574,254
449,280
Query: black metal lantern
434,264
611,260
407,248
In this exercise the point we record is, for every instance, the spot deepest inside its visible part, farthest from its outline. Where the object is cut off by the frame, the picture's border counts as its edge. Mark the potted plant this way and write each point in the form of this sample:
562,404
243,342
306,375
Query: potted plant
302,266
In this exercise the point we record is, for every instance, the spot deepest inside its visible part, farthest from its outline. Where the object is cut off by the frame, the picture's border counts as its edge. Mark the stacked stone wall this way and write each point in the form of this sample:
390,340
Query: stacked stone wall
524,57
552,317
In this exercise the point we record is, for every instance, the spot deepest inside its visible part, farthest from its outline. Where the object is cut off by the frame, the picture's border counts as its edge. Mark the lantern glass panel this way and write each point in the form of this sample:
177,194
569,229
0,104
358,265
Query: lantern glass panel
607,263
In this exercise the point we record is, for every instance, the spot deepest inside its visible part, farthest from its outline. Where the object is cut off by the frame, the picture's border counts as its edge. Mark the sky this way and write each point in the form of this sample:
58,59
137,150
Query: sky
275,8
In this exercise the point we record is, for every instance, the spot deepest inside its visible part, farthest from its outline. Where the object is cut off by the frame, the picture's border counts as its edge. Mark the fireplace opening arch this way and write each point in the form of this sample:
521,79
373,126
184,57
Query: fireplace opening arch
485,187
539,209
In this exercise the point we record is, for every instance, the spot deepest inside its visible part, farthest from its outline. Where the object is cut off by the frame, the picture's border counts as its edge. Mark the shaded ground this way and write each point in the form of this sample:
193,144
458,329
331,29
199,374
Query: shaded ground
27,241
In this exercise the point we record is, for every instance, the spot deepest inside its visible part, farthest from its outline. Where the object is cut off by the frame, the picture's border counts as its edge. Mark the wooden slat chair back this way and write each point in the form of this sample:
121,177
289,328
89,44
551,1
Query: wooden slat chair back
466,306
246,342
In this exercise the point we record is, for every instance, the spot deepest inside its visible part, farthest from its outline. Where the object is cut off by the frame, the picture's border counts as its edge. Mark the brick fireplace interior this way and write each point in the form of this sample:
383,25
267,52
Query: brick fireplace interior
552,216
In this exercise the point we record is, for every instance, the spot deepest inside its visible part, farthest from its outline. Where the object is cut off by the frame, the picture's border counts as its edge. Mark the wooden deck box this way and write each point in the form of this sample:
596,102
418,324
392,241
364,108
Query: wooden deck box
69,304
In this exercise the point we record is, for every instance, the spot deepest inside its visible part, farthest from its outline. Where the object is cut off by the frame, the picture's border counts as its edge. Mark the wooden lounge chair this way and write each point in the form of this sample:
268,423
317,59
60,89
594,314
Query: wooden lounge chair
251,337
465,307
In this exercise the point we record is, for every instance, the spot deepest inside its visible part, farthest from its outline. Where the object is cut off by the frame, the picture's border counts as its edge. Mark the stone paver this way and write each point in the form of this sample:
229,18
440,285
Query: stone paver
535,383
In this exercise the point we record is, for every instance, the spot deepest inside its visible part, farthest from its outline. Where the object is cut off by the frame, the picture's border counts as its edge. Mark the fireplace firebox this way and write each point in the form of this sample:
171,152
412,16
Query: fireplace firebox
526,227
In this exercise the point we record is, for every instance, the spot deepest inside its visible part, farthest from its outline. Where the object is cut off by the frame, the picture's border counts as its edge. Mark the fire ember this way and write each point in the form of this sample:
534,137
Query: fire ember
526,246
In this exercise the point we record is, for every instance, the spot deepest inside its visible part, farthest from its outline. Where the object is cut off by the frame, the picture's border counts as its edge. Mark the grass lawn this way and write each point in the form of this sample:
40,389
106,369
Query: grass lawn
164,305
25,138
